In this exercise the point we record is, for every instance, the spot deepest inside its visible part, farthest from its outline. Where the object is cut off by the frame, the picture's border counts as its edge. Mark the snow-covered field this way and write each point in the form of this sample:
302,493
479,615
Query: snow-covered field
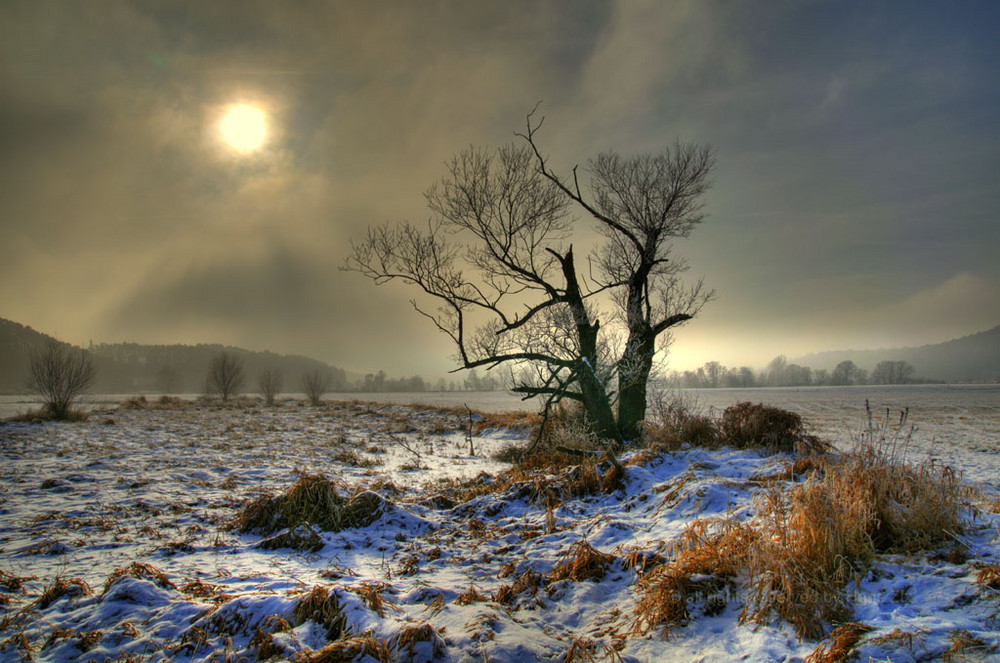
432,576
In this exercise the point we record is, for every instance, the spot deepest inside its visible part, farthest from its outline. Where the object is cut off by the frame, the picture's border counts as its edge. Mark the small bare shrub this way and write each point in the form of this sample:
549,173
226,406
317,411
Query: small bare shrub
58,374
748,425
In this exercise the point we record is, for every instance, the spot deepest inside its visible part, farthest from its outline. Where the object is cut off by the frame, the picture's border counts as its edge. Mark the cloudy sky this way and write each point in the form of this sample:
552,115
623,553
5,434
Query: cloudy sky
855,202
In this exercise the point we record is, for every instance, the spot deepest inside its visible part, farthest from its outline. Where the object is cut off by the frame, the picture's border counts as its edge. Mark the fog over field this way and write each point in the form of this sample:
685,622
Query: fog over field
853,203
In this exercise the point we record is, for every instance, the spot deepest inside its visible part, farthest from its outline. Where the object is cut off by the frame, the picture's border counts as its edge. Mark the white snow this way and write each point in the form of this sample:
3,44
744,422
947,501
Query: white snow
78,501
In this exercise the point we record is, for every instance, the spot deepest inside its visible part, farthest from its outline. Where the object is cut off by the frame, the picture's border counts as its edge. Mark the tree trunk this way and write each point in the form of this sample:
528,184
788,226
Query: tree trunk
595,394
634,368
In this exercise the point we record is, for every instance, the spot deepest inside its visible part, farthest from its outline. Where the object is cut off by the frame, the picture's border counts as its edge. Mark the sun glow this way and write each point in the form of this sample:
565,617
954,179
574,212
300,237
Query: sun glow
244,128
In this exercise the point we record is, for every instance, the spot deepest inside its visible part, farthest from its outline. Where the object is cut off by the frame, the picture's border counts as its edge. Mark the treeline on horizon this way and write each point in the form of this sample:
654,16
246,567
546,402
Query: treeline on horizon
126,368
780,373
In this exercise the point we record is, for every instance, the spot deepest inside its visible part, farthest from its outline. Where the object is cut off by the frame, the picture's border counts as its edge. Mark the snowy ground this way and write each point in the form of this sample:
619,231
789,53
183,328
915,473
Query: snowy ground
79,501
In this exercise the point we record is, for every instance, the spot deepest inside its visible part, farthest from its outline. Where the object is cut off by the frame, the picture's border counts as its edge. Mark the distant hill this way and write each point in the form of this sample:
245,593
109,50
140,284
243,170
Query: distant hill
974,358
132,368
16,344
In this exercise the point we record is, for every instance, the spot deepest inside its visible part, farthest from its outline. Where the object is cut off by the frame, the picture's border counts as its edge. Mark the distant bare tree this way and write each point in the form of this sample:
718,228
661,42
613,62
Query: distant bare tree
315,383
892,372
269,383
59,373
225,375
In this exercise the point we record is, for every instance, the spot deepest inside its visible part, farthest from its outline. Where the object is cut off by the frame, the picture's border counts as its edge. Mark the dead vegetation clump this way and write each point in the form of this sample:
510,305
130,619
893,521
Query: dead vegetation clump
470,596
839,647
322,606
313,499
372,594
140,571
675,423
748,425
405,642
581,562
529,582
263,637
60,587
303,538
206,591
804,545
347,650
13,583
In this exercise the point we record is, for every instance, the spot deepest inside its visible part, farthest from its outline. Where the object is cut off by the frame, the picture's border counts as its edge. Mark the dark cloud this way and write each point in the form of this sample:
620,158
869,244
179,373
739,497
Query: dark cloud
854,200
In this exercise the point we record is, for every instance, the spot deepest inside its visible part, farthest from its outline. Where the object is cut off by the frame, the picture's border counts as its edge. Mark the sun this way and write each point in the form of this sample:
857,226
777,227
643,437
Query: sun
244,127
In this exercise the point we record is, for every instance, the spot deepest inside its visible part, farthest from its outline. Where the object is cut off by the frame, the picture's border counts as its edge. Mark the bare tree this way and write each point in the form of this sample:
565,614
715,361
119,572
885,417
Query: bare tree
269,383
58,374
225,375
315,383
509,290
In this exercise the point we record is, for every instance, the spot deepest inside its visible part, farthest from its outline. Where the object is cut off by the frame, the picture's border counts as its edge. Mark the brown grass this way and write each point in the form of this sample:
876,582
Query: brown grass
964,643
60,587
313,499
839,647
302,537
581,562
141,571
989,576
263,638
206,591
805,544
755,425
372,594
321,606
529,581
470,596
407,640
13,583
347,650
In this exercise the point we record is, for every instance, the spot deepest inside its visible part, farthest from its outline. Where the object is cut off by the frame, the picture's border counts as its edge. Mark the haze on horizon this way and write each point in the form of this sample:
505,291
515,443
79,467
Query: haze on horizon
854,205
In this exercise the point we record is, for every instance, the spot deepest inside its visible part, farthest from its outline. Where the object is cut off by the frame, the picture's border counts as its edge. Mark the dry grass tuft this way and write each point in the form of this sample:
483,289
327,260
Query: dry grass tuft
755,425
372,594
839,647
470,596
347,650
263,639
313,499
584,650
529,581
805,544
60,587
964,643
140,571
13,583
321,606
411,637
581,562
203,590
989,576
303,538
